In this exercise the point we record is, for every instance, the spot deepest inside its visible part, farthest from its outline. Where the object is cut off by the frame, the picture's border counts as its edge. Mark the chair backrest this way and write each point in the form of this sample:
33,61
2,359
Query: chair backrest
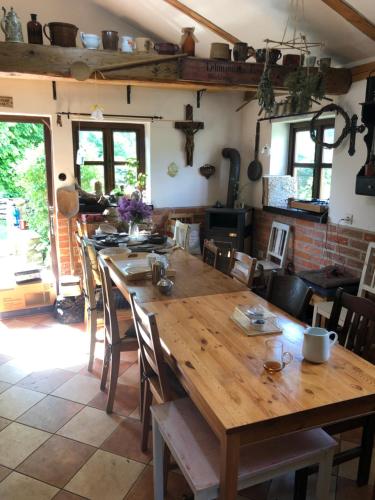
187,217
278,243
242,267
88,281
182,234
289,293
151,351
109,306
367,283
211,253
358,331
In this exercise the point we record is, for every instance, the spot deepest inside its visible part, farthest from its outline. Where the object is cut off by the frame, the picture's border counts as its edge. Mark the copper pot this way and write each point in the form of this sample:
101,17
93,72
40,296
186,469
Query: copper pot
62,34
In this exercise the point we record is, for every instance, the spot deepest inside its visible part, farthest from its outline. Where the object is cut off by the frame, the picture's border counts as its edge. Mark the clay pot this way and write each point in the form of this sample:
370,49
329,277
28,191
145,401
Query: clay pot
220,51
292,59
61,34
166,48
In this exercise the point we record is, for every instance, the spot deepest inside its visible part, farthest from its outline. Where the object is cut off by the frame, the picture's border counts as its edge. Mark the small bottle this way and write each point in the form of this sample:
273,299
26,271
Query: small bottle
34,31
188,41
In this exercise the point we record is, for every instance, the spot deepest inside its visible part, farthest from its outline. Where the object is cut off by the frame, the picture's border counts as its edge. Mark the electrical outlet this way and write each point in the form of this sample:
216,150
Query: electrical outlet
348,219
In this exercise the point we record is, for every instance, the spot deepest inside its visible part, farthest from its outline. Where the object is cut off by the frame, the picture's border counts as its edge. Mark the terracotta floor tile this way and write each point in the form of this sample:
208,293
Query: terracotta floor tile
131,356
126,400
12,371
4,472
19,487
46,381
353,436
65,495
131,376
16,400
90,426
143,489
17,442
3,423
56,461
97,368
126,441
348,490
50,414
105,476
4,386
79,388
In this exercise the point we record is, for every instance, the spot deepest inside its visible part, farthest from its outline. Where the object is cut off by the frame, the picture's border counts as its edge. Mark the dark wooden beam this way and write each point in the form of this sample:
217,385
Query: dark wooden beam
202,20
352,16
361,72
54,63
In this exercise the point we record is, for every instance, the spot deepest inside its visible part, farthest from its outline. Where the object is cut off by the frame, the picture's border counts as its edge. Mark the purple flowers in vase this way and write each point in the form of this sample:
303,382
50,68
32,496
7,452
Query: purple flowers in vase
132,210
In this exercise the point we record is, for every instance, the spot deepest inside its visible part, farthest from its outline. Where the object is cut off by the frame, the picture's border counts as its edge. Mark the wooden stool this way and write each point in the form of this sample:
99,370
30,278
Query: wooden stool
196,449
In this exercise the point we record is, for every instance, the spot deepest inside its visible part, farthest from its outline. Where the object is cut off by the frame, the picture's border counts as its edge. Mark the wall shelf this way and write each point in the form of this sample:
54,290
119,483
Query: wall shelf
299,214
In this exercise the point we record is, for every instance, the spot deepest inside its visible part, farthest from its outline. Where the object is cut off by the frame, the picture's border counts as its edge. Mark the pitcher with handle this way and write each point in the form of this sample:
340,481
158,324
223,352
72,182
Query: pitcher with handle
11,26
317,344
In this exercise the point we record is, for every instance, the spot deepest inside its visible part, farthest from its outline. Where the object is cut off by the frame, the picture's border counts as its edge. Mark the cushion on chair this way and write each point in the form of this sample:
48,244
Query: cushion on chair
197,450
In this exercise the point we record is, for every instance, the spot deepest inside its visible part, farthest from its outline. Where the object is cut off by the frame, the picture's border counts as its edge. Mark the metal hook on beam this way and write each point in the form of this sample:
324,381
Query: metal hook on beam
54,91
128,93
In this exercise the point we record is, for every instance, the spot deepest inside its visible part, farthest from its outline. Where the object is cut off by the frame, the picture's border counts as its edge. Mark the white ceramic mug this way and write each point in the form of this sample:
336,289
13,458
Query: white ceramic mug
317,343
127,44
90,41
143,44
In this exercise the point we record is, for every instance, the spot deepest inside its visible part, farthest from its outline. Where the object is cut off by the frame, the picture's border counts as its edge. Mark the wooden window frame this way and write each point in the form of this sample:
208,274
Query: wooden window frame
108,162
318,165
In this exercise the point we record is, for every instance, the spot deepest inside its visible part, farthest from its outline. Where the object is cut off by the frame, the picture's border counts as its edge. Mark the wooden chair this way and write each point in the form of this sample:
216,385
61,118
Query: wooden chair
114,343
211,253
323,310
196,449
357,334
277,248
89,292
182,234
159,381
187,218
289,293
242,267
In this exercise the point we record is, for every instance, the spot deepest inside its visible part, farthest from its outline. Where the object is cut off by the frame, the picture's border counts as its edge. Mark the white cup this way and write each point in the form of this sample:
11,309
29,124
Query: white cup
90,41
143,44
127,44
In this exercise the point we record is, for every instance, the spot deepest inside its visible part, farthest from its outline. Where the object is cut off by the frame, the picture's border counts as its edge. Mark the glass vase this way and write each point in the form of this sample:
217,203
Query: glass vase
133,230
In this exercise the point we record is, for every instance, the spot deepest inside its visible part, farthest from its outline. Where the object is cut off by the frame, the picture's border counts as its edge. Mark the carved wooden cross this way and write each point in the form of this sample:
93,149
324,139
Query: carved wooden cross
189,127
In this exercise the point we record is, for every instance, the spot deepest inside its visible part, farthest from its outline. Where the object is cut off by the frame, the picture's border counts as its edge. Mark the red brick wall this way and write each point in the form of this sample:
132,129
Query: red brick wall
313,245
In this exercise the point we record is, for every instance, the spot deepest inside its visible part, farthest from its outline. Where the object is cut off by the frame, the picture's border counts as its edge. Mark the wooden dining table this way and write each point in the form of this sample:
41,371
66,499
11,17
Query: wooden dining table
222,368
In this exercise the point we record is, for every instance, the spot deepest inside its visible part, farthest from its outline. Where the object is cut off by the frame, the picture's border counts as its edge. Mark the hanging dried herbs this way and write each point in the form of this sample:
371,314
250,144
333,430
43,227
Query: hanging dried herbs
265,93
304,88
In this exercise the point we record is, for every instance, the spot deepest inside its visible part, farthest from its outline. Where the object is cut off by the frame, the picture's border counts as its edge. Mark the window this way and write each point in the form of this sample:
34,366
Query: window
107,149
309,162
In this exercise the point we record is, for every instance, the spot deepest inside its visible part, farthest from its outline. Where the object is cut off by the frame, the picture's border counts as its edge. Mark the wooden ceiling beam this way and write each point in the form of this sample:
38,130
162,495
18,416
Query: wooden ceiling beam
203,21
362,71
354,17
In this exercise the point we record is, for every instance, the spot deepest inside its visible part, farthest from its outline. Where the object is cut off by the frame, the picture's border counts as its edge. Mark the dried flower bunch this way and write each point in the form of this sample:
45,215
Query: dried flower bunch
132,210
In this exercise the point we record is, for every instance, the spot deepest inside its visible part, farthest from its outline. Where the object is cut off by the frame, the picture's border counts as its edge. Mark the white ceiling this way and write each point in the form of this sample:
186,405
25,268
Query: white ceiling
251,21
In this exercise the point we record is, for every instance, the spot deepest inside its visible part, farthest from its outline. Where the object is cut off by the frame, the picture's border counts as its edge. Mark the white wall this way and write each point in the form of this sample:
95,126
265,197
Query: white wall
344,168
88,17
164,143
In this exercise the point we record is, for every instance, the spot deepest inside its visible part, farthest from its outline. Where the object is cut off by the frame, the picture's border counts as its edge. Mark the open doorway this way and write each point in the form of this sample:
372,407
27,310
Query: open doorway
27,243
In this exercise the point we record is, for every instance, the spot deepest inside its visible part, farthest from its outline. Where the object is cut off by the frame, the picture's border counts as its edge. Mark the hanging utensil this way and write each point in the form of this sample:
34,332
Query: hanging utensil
82,71
254,170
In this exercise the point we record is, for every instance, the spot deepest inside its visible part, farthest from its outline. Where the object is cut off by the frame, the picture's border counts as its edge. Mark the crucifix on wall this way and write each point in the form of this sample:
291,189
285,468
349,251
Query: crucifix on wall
189,127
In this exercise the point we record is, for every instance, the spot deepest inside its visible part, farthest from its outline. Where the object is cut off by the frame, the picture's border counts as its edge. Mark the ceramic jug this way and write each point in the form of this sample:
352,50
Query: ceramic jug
11,26
317,344
90,41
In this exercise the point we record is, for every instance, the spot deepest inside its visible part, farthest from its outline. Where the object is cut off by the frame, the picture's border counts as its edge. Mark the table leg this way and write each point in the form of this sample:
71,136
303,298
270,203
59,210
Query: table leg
158,450
229,457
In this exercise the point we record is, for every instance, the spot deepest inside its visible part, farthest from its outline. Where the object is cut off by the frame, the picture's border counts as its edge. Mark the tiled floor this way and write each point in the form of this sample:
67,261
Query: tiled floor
56,441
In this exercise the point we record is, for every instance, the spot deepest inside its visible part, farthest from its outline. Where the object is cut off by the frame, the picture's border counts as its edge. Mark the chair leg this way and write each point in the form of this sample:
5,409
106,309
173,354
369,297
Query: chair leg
141,385
115,368
300,484
146,416
324,476
106,360
91,327
167,466
159,466
366,451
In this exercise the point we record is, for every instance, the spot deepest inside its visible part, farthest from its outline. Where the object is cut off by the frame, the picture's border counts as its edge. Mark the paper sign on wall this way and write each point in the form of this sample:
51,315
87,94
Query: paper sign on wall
6,102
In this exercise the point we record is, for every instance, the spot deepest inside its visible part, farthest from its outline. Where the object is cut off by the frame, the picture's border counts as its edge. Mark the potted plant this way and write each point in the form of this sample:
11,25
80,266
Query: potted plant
134,212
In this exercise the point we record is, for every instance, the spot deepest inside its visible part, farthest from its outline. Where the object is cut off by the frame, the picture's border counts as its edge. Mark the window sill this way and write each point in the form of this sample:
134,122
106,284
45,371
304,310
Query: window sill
299,214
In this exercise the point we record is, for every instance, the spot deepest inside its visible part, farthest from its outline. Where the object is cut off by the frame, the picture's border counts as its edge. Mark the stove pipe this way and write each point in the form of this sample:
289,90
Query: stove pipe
234,174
